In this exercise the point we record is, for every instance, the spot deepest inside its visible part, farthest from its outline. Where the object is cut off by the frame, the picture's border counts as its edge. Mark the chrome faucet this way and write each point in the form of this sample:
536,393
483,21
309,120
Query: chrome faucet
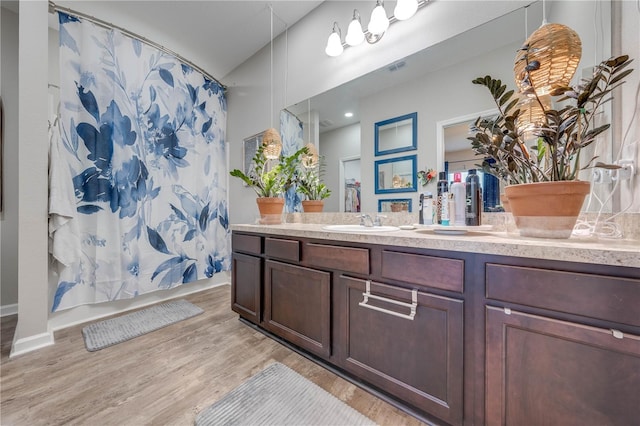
365,220
378,220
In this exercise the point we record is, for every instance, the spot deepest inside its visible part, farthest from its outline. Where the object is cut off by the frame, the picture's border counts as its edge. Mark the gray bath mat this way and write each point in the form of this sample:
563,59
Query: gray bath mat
117,330
280,396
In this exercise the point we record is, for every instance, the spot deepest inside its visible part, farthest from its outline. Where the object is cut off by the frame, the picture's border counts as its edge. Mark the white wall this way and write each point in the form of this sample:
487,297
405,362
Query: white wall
626,131
9,216
336,145
32,330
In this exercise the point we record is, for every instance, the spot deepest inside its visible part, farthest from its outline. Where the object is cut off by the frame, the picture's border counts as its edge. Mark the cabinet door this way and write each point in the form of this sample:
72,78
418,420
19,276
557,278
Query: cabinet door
542,371
246,280
297,306
419,361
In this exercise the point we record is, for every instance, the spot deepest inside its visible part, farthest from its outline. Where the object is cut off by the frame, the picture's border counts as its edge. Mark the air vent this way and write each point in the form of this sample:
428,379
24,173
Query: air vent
397,65
326,123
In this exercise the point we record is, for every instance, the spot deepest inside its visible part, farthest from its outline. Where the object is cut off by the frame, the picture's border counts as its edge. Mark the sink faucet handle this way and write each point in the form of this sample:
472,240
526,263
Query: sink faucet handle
378,220
364,218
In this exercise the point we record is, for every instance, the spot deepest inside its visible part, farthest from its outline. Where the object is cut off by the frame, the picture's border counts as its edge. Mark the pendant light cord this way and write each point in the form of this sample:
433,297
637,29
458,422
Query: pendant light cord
271,64
309,117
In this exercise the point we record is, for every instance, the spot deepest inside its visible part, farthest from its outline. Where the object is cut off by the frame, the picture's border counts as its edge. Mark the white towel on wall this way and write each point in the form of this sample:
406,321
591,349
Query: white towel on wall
64,238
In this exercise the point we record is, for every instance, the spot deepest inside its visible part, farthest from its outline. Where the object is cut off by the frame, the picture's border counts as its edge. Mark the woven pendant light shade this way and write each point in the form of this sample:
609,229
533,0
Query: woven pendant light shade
552,54
310,159
532,115
272,144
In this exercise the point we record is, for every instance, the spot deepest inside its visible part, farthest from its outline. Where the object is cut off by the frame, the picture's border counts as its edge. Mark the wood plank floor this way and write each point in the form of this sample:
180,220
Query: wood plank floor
163,378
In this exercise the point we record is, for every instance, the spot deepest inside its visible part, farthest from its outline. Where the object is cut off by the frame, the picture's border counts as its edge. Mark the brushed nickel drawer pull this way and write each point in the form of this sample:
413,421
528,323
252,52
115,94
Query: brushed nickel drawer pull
413,305
617,333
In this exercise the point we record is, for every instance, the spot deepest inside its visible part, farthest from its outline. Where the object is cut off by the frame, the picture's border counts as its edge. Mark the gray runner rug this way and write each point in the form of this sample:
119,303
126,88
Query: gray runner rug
280,396
120,329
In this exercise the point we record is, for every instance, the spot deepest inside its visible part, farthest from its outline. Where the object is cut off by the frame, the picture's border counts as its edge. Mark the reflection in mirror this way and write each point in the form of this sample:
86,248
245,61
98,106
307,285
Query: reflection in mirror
459,158
436,82
396,134
396,175
350,188
395,205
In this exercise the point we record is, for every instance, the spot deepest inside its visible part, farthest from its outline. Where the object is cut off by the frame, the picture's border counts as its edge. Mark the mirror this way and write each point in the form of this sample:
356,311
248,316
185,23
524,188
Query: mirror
395,205
436,83
396,134
459,157
396,175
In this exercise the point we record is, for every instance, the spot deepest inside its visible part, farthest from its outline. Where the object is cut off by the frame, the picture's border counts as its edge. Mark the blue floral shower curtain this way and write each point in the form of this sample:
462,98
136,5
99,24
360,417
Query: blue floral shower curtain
143,136
291,131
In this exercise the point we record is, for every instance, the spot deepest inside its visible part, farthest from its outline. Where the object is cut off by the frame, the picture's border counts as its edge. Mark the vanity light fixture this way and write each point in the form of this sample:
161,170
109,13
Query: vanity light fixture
378,25
334,44
355,35
379,22
405,9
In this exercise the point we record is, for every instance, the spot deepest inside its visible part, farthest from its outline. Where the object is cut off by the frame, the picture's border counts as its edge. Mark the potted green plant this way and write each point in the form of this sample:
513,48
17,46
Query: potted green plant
309,183
270,182
543,161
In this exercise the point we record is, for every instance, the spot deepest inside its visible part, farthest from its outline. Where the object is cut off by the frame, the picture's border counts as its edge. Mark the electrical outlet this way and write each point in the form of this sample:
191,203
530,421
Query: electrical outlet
601,176
627,170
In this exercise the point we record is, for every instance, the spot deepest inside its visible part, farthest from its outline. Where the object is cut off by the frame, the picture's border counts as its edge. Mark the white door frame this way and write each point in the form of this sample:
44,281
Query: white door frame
342,193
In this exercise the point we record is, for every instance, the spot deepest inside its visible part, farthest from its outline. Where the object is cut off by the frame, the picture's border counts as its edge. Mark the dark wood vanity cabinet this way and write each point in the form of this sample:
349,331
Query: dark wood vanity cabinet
451,337
246,276
297,306
542,371
416,356
565,349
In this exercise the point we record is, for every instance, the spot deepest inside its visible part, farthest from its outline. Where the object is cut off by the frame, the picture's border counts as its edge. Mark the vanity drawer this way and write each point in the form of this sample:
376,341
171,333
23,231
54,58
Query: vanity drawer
246,243
428,271
348,259
282,249
595,296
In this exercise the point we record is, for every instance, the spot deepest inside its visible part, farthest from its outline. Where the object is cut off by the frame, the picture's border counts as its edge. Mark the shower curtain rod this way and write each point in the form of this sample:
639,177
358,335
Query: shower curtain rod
55,8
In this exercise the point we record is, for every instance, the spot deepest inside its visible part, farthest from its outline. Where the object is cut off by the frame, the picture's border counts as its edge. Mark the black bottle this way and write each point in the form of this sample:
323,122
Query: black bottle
473,200
443,190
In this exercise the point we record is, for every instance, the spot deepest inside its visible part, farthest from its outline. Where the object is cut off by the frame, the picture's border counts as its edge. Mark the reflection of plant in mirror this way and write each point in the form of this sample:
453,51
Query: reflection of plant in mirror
561,134
426,176
270,182
309,182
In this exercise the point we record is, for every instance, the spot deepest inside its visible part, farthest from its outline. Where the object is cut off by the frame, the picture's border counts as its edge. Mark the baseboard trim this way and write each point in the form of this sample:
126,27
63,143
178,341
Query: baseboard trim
7,310
64,319
31,343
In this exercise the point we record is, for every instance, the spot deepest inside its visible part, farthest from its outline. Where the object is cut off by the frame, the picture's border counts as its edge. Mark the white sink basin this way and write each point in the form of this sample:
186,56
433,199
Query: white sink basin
359,229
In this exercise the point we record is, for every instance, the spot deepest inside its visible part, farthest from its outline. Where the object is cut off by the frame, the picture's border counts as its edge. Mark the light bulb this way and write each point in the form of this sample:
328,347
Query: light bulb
379,21
334,44
355,36
405,9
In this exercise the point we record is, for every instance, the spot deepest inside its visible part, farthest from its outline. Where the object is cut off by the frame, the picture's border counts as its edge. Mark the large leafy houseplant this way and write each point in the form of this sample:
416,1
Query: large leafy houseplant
266,181
559,138
309,182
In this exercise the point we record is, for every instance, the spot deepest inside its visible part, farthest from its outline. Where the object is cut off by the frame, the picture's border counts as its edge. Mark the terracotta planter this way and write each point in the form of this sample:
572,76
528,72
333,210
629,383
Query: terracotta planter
547,209
313,206
504,200
270,210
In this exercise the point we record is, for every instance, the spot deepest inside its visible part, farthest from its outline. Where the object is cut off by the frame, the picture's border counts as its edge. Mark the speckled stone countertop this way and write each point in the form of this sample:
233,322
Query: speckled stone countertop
588,250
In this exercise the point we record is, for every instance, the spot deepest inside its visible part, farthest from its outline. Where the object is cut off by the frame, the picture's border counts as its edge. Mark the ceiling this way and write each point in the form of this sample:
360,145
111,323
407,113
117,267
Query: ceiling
229,31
